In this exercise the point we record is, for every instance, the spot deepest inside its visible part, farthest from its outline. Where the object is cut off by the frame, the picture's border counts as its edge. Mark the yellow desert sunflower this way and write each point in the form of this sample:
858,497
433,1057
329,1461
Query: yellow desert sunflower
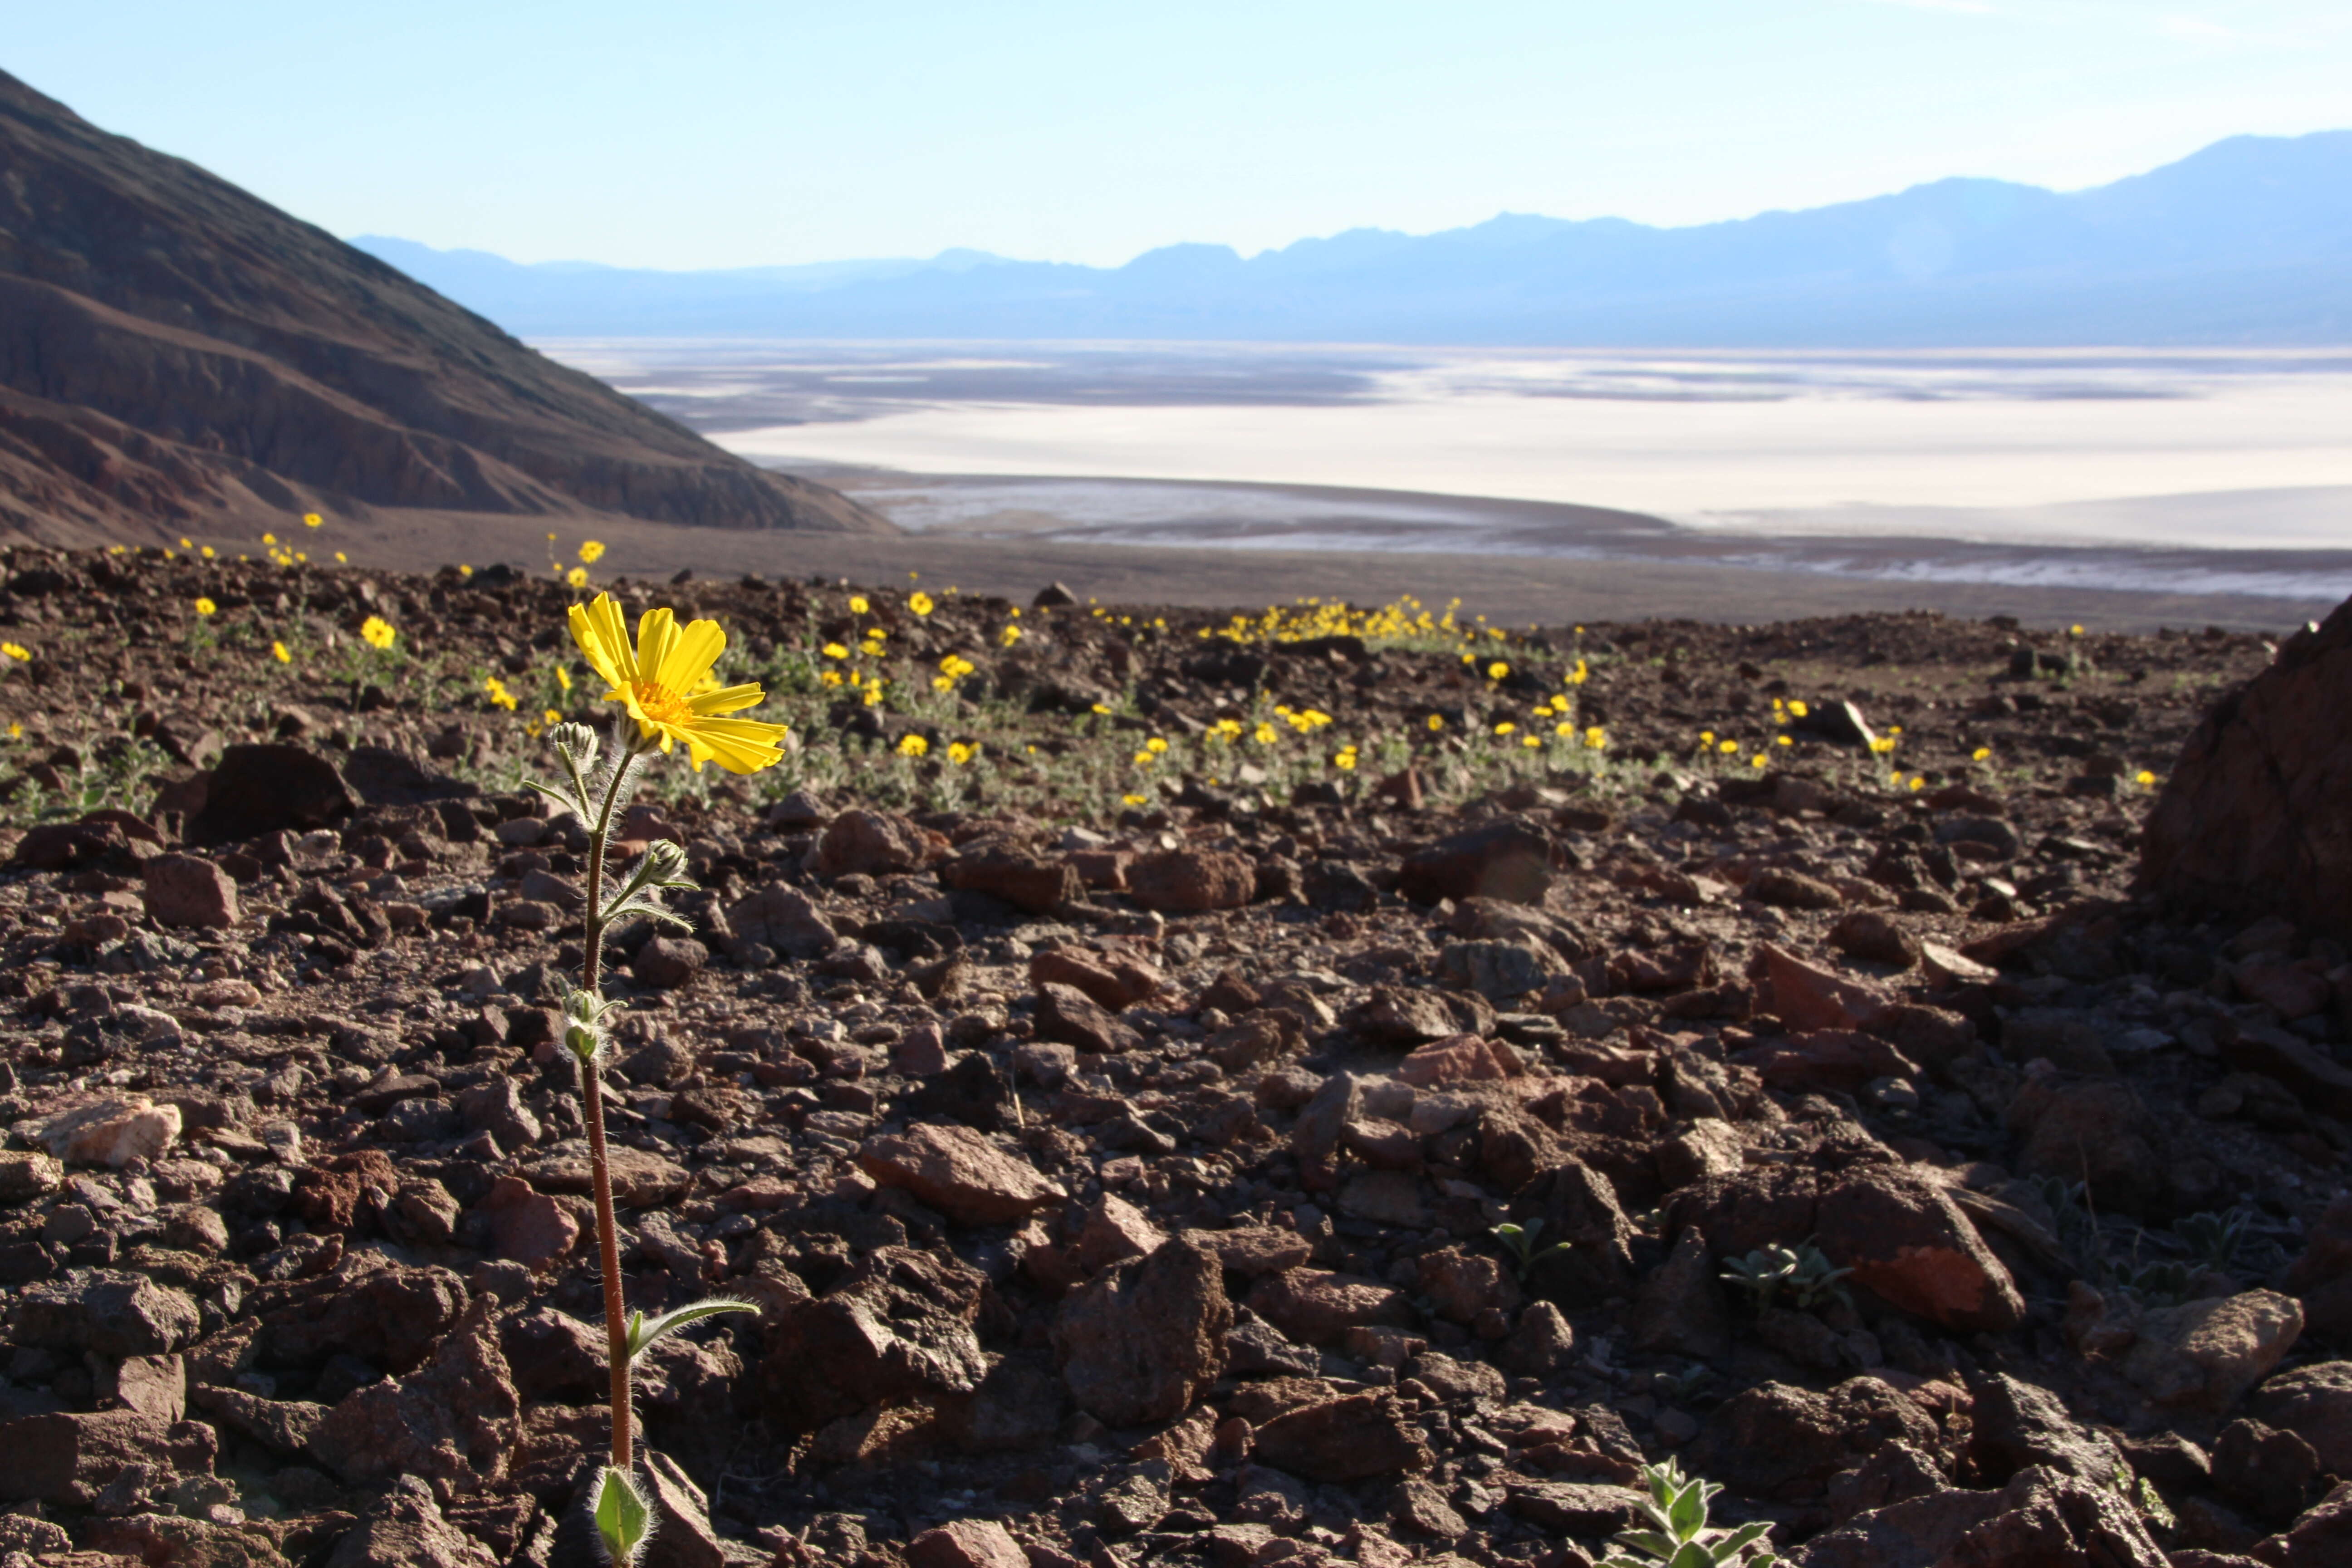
653,679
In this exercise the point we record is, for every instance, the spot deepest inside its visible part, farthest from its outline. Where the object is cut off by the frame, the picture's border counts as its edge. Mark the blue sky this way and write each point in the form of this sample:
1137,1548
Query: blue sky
725,132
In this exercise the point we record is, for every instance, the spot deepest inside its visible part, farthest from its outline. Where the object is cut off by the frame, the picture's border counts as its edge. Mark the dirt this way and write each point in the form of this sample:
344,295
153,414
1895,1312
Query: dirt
1116,1141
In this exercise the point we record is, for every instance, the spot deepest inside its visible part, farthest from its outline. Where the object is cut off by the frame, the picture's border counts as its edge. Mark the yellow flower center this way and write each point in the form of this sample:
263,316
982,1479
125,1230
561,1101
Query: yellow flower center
659,703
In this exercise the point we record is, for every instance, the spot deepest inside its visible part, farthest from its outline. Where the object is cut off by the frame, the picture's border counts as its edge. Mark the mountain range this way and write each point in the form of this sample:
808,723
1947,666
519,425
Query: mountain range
176,355
2246,242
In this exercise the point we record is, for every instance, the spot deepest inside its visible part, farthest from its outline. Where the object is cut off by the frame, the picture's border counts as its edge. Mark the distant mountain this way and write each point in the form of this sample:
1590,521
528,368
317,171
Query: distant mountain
2248,241
175,353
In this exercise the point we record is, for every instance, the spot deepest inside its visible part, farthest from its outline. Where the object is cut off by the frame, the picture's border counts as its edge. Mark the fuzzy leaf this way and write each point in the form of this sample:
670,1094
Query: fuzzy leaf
643,1331
1687,1515
621,1517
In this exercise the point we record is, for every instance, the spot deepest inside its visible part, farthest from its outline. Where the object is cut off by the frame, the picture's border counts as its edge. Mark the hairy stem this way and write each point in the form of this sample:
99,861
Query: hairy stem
592,1099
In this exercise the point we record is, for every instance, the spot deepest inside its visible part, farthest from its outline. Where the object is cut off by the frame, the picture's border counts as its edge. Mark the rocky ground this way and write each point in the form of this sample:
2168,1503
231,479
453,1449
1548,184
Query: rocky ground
1113,1066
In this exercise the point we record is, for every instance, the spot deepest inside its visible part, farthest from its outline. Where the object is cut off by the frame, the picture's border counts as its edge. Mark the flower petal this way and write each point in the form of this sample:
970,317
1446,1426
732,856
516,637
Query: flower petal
689,659
742,745
656,632
603,639
727,699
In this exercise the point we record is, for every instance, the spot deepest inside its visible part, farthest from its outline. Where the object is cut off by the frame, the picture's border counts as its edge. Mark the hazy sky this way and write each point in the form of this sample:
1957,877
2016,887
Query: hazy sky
730,132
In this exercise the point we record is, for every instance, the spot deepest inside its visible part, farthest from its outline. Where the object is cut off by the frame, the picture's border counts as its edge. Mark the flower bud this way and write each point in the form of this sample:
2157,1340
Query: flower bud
579,742
581,1040
665,861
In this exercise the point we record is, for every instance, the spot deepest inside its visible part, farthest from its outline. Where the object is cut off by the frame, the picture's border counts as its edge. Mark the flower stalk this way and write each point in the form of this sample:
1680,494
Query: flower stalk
661,681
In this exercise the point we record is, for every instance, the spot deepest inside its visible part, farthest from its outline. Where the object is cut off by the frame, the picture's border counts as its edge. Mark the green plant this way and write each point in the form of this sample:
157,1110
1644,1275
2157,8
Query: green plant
1678,1535
2214,1238
1520,1241
1802,1271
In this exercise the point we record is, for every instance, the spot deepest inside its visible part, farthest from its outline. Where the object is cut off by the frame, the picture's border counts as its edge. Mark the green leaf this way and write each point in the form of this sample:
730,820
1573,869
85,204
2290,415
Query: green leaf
1691,1554
1731,1545
621,1516
644,1332
1688,1514
1649,1540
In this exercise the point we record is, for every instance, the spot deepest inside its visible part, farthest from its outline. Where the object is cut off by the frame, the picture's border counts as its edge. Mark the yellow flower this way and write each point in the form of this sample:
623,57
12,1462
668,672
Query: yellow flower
311,520
1798,709
1729,748
463,570
1010,635
562,678
1265,735
1436,723
341,559
920,601
2074,631
1980,754
207,552
1496,670
1564,730
590,552
184,543
1505,728
499,696
205,606
667,661
1596,737
376,632
2145,779
1101,708
959,752
1531,741
266,539
1782,741
857,604
1757,760
913,746
16,651
1155,745
577,577
830,650
278,651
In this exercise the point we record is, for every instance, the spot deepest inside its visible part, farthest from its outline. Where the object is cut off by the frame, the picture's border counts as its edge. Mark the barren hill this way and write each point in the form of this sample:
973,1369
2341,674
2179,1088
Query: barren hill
175,353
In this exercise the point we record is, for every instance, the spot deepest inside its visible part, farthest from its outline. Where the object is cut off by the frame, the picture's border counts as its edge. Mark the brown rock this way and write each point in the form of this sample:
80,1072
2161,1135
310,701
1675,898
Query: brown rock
258,789
1787,890
1188,881
189,890
1826,1058
667,962
406,1528
1144,1340
1575,1508
1680,1308
1027,881
2041,1517
1254,1249
960,1173
1113,1230
1510,860
1805,997
2093,1130
1464,1285
2255,816
105,1311
896,1329
1781,1441
526,1226
1067,1015
2018,1425
781,919
1875,937
2201,1355
454,1424
640,1180
2322,1538
67,1456
1904,1239
1318,1308
112,1131
1112,982
1394,1017
2315,1401
2321,1274
1458,1058
869,843
1340,1440
966,1544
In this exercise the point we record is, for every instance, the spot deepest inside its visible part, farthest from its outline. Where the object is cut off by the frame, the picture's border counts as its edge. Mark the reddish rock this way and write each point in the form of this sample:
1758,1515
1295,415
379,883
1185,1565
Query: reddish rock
1188,881
869,843
2094,1130
1114,982
67,1456
1143,1341
1458,1058
640,1180
1775,1440
2255,817
454,1422
111,1131
1027,881
2041,1517
527,1226
1826,1058
960,1173
1510,860
1463,1285
1787,890
107,1312
2321,1274
667,962
784,920
966,1544
1319,1309
1875,937
1341,1440
2201,1355
2314,1402
274,788
1067,1015
1803,996
1906,1239
1394,1017
189,890
1253,1249
896,1328
1111,1231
